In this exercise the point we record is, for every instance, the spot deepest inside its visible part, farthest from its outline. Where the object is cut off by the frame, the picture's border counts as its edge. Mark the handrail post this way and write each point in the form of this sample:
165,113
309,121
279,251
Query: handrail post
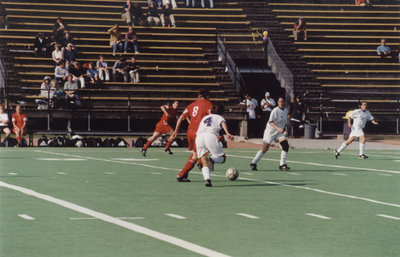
89,109
129,113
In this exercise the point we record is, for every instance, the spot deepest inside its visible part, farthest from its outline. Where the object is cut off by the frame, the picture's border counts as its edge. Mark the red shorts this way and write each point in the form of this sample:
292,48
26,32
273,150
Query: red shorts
24,132
191,138
162,128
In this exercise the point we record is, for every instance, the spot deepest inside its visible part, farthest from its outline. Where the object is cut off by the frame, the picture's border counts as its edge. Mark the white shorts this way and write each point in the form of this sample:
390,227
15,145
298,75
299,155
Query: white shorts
356,132
208,142
272,137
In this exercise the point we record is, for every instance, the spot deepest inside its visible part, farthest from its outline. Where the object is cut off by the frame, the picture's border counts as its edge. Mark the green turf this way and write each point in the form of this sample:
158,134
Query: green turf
133,189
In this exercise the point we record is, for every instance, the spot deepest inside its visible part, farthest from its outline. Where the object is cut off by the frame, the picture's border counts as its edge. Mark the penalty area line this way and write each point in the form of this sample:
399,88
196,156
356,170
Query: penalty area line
128,225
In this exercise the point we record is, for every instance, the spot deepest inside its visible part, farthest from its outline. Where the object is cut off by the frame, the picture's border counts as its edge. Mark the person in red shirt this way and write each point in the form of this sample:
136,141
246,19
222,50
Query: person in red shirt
19,124
196,111
164,127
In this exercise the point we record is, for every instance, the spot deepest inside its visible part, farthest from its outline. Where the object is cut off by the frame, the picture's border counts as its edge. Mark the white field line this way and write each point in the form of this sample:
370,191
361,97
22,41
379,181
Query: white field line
121,218
388,216
247,215
176,216
293,173
319,216
109,173
320,164
156,173
247,173
340,174
60,159
26,217
128,225
254,180
134,159
386,175
61,173
12,173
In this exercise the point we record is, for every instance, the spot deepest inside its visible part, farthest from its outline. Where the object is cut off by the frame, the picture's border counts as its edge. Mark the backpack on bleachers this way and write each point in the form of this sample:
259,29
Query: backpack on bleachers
140,142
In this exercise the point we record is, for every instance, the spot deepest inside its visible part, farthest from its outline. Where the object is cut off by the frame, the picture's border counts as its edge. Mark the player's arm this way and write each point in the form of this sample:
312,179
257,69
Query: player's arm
225,127
164,109
375,122
276,127
188,120
178,125
349,122
14,124
23,126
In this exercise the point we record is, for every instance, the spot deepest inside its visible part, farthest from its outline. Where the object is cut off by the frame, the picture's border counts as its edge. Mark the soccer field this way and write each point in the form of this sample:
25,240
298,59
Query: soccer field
115,202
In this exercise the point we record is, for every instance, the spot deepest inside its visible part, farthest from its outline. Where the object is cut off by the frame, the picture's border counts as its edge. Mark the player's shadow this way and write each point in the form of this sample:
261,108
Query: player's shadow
260,184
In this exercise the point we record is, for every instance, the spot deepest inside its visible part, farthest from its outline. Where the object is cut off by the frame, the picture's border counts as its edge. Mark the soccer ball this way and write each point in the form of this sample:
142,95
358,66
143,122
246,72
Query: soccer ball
232,174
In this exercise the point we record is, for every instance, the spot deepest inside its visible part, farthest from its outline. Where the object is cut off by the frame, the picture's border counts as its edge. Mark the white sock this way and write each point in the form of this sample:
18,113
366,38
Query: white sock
218,159
206,173
362,148
283,158
341,148
258,156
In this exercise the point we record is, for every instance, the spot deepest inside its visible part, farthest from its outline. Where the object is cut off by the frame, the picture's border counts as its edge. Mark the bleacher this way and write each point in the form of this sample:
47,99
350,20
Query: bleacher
174,62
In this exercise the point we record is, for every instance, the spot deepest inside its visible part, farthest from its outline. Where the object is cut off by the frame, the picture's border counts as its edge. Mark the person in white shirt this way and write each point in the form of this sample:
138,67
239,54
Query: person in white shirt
4,123
274,132
360,118
103,69
57,55
267,104
251,105
207,141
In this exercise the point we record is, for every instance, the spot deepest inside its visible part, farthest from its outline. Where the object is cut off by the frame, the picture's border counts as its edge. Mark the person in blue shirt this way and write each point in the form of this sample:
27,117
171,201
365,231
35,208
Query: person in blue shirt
384,51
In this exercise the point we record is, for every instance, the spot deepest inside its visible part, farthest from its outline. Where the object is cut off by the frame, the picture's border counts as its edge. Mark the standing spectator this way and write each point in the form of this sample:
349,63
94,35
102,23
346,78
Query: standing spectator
297,117
127,12
133,70
103,69
152,14
366,3
78,73
300,27
210,1
115,39
58,29
3,16
251,104
92,74
167,13
193,3
120,68
19,124
61,73
67,39
267,104
4,124
70,53
131,40
172,2
70,88
57,55
384,51
40,45
138,18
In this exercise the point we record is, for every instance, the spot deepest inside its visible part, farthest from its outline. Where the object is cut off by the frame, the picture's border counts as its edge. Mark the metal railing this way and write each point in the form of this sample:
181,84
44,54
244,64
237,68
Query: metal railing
3,80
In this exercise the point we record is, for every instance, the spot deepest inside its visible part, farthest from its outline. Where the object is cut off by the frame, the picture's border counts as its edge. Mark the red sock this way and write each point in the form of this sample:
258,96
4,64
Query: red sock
220,138
188,167
169,142
199,161
148,143
18,139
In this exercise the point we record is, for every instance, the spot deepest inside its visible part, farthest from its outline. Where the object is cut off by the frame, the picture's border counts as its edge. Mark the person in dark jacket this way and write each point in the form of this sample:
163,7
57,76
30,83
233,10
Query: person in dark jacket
152,14
167,13
58,29
40,45
297,117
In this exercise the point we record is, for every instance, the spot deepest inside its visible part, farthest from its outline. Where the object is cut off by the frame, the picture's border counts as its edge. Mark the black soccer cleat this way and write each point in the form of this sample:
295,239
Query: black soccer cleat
199,165
208,183
143,152
337,154
363,156
284,167
179,179
253,166
168,151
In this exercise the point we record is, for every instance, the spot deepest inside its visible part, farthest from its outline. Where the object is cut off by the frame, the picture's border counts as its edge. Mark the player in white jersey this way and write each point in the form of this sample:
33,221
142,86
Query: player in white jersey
274,132
4,123
207,141
360,118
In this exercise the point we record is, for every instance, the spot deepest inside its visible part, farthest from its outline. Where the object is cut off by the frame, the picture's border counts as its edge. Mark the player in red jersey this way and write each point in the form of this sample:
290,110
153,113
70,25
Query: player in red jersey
196,111
19,124
164,127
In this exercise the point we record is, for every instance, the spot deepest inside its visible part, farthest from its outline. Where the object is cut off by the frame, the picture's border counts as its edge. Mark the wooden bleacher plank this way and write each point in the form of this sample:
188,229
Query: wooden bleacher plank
156,68
340,43
358,78
334,11
205,84
329,5
336,24
355,63
342,56
111,60
359,86
350,30
354,71
308,17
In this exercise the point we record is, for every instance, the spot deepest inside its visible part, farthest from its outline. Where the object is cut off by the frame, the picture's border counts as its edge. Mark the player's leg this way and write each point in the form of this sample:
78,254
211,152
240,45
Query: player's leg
215,148
344,145
149,141
7,131
203,151
169,142
284,153
191,137
362,147
259,155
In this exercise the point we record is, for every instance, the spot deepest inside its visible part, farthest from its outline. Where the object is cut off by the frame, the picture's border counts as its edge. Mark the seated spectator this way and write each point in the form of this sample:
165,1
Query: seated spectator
71,96
67,39
45,93
70,53
58,29
193,3
52,43
119,68
133,70
40,45
102,68
211,2
57,55
115,39
131,40
61,73
78,73
4,125
127,12
300,27
92,74
167,13
152,14
19,125
384,51
137,12
172,2
366,3
3,16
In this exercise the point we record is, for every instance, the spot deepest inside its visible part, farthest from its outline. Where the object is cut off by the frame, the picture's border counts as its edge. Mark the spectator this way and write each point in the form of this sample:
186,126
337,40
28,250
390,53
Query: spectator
92,74
40,45
4,124
152,14
156,2
58,29
57,55
45,93
127,12
61,73
267,104
193,3
131,40
300,27
297,117
52,43
251,104
19,125
119,68
210,1
366,3
78,73
133,70
172,2
3,16
70,88
70,53
138,18
115,39
167,12
103,69
67,39
384,51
